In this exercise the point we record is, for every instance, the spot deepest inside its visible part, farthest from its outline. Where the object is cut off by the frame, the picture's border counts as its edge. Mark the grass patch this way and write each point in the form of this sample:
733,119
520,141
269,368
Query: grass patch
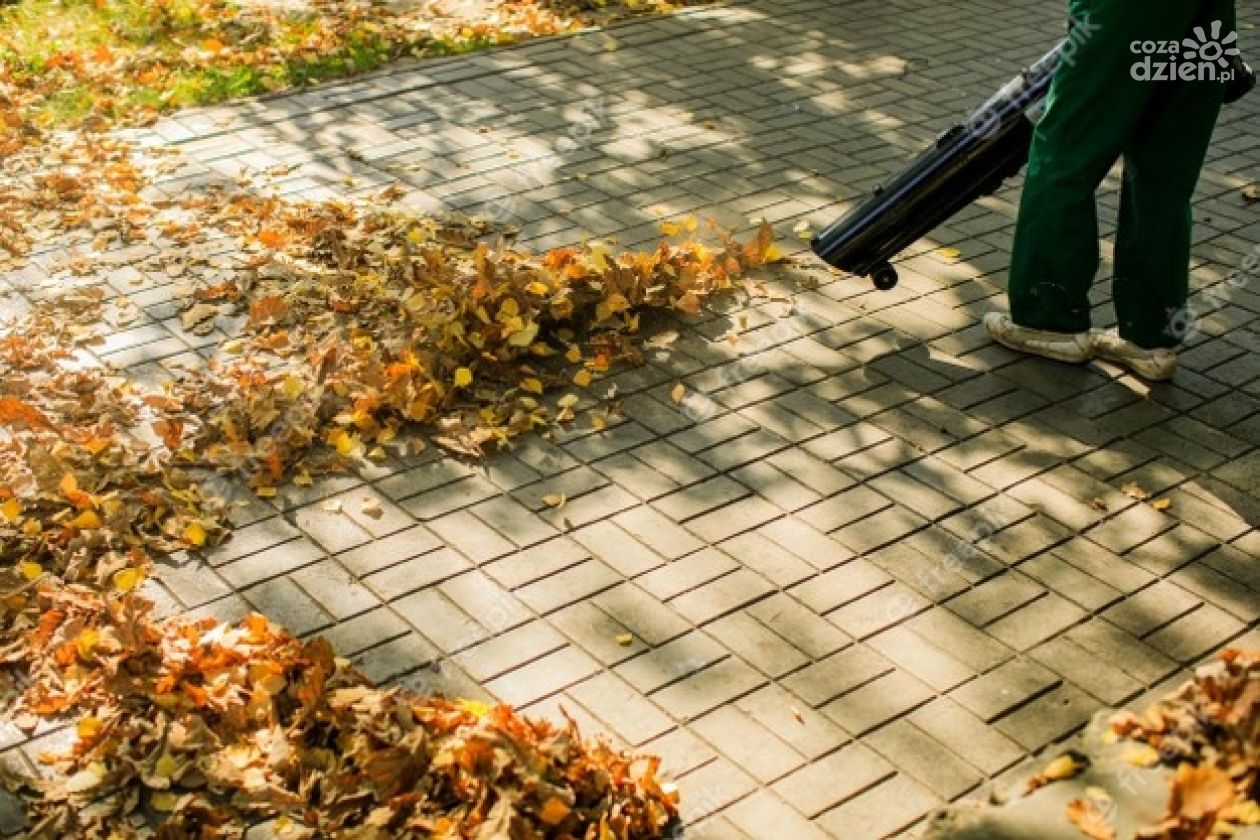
69,63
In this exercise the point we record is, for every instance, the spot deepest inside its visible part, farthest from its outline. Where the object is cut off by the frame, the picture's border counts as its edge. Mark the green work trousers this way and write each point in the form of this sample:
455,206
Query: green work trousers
1097,111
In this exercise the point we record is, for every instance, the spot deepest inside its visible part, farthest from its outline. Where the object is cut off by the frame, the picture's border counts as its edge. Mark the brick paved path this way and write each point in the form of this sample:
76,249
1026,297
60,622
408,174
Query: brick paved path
873,560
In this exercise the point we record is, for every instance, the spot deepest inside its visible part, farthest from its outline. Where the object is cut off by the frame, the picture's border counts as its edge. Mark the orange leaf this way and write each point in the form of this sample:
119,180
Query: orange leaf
1092,822
14,410
271,237
171,432
1200,792
69,487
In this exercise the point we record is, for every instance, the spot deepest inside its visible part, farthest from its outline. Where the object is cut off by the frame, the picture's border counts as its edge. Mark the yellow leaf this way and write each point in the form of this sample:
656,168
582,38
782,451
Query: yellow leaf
88,728
1162,504
532,385
30,569
678,393
86,520
463,377
128,579
949,253
1142,755
166,765
573,354
164,800
671,228
195,534
1246,812
1063,767
555,500
476,708
582,378
538,288
265,492
85,643
11,509
625,639
773,254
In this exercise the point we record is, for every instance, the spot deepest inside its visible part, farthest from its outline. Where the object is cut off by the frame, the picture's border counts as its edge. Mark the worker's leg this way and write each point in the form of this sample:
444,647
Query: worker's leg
1161,168
1092,111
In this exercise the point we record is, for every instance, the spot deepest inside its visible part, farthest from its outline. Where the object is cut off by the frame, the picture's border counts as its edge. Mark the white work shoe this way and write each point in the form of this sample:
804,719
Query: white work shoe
1062,347
1155,364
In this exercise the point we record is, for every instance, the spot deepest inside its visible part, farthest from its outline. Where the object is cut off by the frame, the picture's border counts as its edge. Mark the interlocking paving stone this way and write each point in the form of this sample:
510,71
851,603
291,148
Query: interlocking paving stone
833,779
862,566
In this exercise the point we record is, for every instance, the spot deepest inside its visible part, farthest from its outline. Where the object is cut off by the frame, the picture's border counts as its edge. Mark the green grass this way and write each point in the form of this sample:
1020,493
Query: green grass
60,54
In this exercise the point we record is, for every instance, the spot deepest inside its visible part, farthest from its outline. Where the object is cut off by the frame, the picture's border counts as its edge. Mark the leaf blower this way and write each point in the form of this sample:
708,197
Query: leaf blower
969,160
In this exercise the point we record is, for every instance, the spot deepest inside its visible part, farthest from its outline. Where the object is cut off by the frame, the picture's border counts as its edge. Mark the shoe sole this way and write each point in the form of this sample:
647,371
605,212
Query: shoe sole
1046,353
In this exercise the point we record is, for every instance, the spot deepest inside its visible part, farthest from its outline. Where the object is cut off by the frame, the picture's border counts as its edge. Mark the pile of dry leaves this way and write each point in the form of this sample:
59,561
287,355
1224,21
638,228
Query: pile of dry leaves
1209,731
206,728
346,323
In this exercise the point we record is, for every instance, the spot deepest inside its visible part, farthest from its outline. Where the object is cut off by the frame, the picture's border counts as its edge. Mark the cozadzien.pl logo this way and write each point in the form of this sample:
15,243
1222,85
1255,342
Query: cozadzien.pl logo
1202,56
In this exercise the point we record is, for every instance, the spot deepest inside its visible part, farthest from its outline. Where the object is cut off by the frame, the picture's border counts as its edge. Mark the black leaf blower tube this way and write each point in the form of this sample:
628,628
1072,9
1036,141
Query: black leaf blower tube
968,161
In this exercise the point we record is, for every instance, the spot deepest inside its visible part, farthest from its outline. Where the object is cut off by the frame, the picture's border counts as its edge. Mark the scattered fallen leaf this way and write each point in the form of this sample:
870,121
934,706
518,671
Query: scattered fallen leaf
1090,820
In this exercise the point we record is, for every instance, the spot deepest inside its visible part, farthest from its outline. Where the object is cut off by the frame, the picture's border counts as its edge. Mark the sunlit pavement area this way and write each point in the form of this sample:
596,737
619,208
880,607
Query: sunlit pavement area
872,561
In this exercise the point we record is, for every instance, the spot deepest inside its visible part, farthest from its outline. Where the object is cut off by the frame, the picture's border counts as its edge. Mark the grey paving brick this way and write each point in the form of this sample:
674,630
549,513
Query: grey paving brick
841,585
1195,634
395,657
800,626
282,558
716,785
735,518
568,586
922,757
806,542
773,562
385,552
502,653
921,658
1049,717
543,677
672,661
618,704
440,620
707,689
643,614
656,531
844,508
882,811
1009,685
284,602
1152,607
747,743
966,735
839,673
1086,670
335,589
615,547
833,779
365,630
416,573
472,537
763,814
700,498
